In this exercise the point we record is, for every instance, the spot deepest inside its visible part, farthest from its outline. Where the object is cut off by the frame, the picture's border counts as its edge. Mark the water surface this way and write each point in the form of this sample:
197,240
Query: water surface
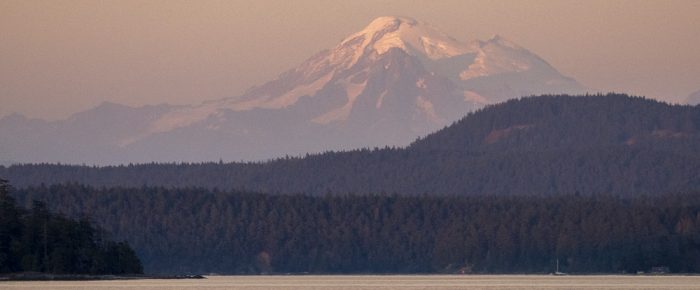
362,282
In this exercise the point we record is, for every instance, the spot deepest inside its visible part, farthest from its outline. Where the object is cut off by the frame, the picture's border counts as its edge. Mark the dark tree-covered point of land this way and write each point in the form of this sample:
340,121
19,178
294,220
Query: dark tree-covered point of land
194,230
37,240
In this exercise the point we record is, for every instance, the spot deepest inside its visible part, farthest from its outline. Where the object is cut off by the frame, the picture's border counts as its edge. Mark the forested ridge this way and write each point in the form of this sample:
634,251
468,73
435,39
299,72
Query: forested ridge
37,240
546,145
602,183
197,230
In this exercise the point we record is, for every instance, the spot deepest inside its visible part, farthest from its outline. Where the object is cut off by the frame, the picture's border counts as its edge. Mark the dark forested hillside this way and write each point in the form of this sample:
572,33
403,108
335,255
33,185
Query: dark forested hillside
572,123
613,144
203,231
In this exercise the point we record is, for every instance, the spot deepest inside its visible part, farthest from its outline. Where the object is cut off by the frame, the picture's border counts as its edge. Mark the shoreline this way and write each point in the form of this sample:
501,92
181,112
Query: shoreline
33,276
87,277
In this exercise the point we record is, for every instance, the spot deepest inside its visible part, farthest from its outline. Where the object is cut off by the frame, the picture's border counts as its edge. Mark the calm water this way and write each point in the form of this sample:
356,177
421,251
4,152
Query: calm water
382,282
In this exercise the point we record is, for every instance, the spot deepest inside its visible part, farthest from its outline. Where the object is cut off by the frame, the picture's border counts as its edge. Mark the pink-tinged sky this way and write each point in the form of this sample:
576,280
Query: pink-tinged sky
60,57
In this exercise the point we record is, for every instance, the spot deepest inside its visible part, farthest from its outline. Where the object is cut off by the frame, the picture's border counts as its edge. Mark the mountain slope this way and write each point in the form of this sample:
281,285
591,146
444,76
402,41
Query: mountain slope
571,123
393,81
547,145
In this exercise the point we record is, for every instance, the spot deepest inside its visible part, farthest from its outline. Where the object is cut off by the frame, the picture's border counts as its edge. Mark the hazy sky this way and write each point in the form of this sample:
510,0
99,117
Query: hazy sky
60,57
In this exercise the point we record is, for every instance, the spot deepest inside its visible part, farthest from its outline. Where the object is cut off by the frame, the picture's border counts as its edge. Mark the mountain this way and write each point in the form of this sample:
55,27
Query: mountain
93,136
547,145
393,81
694,98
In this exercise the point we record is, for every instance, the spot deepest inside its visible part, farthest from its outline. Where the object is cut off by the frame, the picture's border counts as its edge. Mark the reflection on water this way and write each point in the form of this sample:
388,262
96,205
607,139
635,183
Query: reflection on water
353,282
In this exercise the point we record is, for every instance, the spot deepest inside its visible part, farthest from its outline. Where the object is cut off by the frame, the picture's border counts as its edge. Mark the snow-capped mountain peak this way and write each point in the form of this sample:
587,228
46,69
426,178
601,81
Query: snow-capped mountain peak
393,81
412,36
335,81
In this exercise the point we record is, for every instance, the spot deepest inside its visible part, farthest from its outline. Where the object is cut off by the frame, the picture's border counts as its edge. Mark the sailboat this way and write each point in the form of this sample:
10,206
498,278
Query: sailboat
557,272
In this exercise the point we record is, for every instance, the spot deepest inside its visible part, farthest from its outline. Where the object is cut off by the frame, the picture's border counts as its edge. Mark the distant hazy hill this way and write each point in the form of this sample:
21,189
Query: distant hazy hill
694,98
613,144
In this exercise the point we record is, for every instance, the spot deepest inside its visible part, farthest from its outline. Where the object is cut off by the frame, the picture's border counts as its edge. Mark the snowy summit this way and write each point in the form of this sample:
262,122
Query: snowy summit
413,37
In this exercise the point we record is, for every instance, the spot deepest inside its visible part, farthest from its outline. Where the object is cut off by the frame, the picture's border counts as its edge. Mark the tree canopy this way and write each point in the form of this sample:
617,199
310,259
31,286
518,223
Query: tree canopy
196,230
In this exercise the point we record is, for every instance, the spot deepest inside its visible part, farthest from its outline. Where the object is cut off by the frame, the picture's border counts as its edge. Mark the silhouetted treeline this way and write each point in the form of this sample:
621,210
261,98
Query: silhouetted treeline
36,240
203,231
544,145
